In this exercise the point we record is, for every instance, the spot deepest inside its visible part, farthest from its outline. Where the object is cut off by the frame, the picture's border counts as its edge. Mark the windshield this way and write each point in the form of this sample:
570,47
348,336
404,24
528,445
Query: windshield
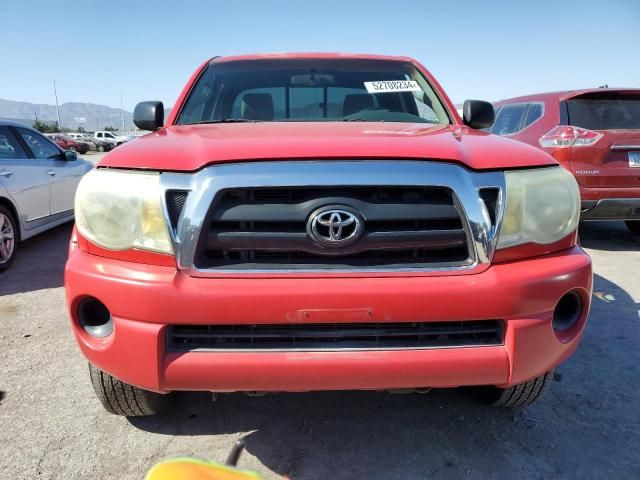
312,90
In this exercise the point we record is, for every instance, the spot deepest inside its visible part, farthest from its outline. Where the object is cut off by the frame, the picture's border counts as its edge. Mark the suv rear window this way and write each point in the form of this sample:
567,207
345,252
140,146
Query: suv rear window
605,112
299,90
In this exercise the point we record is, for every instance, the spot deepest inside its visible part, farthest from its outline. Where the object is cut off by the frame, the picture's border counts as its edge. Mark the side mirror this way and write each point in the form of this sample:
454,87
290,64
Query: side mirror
478,114
70,155
149,115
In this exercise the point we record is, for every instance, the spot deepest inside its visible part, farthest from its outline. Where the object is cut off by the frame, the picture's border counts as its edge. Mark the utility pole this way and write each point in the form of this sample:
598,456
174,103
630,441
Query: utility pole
122,112
55,92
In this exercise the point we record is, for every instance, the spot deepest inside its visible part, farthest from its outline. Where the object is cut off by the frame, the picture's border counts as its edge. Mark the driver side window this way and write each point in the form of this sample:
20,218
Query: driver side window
41,147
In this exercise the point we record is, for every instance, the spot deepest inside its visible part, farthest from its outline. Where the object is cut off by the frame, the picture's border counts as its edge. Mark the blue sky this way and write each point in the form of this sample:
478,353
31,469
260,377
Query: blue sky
97,51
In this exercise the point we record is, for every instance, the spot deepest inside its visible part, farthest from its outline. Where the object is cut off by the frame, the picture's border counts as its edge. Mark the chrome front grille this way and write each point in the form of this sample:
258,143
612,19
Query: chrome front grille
253,217
267,228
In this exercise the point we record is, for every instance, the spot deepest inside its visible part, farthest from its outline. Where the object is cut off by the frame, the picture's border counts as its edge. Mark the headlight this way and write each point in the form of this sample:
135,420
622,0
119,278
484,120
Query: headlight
542,206
122,210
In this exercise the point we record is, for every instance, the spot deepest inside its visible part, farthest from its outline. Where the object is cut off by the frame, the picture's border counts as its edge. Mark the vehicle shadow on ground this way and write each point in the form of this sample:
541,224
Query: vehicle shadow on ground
39,262
609,236
446,433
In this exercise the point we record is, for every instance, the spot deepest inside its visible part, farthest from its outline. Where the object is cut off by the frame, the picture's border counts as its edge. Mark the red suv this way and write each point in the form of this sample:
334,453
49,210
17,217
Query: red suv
595,134
323,222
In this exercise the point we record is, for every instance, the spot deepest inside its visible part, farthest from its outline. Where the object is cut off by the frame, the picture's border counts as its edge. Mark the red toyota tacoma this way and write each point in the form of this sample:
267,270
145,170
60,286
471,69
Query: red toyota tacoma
306,222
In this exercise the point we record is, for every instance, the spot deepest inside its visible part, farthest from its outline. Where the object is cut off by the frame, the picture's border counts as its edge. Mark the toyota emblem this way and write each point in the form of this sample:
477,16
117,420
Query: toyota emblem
334,226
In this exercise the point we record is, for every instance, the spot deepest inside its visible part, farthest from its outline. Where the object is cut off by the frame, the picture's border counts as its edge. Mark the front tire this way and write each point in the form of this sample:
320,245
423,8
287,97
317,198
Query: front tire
633,226
8,238
517,395
100,148
120,398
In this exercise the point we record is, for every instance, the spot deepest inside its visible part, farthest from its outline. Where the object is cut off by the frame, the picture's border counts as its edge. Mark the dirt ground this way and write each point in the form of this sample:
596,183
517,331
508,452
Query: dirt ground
587,426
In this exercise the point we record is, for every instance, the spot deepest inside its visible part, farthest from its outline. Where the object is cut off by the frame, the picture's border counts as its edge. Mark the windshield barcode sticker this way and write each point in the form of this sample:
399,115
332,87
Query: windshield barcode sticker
385,86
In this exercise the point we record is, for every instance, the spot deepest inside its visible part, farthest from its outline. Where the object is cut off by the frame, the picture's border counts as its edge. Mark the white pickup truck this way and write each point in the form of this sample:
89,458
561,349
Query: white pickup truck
110,137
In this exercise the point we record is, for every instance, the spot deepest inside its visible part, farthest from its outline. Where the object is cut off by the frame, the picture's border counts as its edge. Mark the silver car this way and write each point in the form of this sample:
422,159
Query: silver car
38,182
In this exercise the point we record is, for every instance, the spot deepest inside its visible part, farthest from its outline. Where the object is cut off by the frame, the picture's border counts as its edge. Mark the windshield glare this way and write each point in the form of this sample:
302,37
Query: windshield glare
313,90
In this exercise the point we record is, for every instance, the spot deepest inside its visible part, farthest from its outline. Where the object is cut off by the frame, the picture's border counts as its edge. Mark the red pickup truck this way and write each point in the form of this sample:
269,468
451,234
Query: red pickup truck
306,222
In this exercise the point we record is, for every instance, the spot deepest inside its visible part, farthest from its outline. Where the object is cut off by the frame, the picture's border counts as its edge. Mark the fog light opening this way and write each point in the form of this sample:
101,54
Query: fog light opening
94,317
567,312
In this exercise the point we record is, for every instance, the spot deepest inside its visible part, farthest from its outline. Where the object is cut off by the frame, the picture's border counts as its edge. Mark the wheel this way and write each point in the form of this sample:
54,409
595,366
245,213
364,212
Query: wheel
633,226
8,238
73,149
517,395
121,398
100,148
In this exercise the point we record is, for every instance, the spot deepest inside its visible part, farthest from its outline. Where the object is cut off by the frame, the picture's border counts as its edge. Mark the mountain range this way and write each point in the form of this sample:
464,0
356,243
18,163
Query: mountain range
97,116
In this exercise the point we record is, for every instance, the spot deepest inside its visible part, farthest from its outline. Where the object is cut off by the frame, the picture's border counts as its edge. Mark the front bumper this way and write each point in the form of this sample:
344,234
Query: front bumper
144,299
611,209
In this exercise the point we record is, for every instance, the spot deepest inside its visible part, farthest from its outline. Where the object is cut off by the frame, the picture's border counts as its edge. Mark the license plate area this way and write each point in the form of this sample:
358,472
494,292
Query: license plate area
634,159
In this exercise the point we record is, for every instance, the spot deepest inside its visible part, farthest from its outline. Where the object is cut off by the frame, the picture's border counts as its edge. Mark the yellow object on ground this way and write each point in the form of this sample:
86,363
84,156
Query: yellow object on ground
191,469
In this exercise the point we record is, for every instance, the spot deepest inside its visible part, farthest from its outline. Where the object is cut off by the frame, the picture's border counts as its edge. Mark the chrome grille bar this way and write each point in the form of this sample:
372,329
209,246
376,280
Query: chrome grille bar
205,186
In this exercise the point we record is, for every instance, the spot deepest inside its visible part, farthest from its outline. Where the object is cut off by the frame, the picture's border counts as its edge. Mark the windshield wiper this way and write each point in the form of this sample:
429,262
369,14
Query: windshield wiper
227,120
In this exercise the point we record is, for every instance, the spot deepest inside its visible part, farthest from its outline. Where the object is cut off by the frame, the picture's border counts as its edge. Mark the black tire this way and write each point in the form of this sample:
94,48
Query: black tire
517,395
100,148
633,226
121,398
5,213
73,149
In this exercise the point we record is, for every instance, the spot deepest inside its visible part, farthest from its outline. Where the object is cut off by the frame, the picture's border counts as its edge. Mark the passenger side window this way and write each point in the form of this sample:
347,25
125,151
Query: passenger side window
41,147
533,114
9,146
509,119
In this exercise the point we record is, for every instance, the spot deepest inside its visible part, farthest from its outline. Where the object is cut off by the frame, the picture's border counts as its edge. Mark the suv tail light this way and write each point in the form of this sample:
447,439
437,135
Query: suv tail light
567,136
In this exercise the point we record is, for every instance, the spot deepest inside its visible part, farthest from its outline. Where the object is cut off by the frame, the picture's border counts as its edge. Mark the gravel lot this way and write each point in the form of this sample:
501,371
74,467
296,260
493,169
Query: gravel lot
587,426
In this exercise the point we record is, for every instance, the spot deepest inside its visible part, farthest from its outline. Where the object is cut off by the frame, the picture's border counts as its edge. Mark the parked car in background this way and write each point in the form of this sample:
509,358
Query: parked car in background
102,145
68,143
38,182
595,134
79,137
330,223
95,144
106,135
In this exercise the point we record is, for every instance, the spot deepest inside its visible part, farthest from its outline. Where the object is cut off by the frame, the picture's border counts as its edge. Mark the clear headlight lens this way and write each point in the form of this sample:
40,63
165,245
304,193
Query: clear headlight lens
122,210
542,206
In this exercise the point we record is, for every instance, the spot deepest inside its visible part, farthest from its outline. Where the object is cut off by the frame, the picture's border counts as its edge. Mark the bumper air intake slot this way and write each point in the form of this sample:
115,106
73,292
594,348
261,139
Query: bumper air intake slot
335,336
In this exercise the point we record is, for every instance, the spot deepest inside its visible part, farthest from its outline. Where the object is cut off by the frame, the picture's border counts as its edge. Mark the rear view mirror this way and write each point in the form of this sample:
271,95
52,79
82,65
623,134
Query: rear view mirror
70,155
477,114
149,115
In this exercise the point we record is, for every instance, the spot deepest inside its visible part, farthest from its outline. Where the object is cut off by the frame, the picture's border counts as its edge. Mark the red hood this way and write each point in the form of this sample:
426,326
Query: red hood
189,148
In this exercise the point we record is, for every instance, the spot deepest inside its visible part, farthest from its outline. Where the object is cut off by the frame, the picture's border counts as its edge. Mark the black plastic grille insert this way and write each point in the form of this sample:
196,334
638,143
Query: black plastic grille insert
335,336
266,229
